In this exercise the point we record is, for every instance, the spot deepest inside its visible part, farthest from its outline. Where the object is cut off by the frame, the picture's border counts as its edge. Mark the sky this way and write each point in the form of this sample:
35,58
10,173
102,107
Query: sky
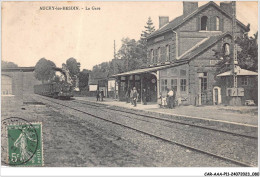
29,33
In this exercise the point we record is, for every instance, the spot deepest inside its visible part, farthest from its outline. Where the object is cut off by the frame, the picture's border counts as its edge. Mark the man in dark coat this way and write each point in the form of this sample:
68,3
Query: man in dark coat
102,94
144,97
97,95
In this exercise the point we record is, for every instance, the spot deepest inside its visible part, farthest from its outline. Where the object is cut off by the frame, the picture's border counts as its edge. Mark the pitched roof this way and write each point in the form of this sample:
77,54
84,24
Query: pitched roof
240,72
198,49
181,19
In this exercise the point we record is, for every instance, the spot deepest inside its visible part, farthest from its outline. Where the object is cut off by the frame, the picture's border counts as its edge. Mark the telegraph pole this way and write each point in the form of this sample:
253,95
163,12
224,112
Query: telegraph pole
235,62
237,92
114,49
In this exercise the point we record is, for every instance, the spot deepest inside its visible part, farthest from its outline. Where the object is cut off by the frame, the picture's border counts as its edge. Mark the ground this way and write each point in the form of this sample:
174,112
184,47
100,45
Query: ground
71,138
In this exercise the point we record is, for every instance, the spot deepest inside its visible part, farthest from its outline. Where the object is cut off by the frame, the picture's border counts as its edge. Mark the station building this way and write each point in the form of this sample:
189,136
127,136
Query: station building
181,57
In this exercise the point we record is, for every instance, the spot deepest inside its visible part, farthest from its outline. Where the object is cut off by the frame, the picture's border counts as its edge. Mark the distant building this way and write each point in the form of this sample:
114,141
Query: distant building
18,81
181,56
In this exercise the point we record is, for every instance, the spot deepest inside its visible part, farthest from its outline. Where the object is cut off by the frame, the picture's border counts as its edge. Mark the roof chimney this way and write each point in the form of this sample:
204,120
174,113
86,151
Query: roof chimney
163,20
189,7
227,7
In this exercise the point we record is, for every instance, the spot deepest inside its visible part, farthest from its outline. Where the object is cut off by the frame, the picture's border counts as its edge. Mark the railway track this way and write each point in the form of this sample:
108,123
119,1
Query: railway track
237,162
96,106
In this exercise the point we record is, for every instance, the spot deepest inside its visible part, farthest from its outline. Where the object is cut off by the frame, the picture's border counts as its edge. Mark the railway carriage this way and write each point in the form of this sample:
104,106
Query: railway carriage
55,90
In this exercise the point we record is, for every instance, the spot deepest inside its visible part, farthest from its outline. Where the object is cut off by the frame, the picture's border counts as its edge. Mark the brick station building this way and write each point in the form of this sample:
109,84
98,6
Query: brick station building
181,56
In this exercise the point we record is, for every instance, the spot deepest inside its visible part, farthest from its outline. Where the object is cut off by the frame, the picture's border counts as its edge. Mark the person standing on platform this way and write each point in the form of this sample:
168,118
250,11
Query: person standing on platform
174,98
102,94
171,101
144,97
131,97
127,96
97,95
135,96
167,98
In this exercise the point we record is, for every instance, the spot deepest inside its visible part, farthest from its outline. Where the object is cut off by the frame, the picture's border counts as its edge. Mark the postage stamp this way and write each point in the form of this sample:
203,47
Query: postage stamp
24,144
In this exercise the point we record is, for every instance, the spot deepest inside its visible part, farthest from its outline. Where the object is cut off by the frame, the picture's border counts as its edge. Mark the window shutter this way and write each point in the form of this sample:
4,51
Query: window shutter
209,24
165,57
169,55
213,23
156,54
221,24
199,23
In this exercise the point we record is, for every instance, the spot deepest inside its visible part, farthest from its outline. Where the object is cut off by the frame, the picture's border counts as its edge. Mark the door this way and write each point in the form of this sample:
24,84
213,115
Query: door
204,91
216,96
150,83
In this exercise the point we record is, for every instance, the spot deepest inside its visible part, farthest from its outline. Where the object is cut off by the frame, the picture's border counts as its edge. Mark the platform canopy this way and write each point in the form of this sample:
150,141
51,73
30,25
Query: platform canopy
240,72
148,70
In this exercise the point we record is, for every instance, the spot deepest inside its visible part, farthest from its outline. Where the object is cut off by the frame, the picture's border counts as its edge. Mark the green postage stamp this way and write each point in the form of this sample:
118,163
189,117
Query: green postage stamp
25,144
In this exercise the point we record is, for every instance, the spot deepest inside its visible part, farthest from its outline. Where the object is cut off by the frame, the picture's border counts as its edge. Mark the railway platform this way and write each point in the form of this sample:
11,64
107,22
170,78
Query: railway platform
239,115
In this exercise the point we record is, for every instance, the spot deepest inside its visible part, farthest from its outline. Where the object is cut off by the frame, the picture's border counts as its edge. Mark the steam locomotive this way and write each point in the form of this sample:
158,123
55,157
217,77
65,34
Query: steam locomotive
54,90
60,89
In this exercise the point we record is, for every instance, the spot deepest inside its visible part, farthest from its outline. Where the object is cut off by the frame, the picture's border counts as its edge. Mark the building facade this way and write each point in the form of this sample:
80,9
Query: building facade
18,81
181,53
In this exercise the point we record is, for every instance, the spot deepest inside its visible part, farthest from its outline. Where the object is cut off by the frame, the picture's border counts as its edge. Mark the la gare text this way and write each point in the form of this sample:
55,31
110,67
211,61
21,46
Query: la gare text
69,8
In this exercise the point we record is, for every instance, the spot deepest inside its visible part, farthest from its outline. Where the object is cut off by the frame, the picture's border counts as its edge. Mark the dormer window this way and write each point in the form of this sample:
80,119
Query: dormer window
204,23
217,24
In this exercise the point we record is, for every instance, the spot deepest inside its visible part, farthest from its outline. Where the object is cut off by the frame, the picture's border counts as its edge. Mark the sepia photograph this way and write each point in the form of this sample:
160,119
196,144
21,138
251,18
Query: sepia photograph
130,84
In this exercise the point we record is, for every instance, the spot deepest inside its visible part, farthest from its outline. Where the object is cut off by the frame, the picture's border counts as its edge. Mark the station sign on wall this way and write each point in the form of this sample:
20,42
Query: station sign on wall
92,87
235,91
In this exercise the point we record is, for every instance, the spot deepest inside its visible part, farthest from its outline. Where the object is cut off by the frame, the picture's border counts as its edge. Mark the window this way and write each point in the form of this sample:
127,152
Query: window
164,84
217,23
226,49
244,81
174,84
167,52
204,84
155,57
183,85
152,56
204,23
159,54
123,86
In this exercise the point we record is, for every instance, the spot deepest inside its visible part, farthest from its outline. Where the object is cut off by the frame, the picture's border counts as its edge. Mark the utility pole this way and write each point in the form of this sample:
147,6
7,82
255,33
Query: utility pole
238,93
235,62
114,49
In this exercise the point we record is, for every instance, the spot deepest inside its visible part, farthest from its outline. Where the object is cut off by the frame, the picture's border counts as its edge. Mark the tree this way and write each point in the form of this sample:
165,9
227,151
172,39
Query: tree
149,28
6,64
247,54
83,79
73,66
131,53
44,70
